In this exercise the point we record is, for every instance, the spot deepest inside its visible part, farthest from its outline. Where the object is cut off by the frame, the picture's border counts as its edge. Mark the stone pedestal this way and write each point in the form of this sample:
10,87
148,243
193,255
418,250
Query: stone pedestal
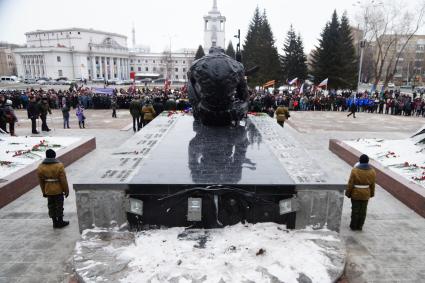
175,158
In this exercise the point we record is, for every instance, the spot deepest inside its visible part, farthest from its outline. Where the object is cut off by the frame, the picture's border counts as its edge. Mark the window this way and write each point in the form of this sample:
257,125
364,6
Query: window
131,61
184,62
153,61
184,77
177,61
139,69
60,73
184,69
154,69
78,32
176,69
177,77
146,69
138,61
161,61
131,69
146,61
58,58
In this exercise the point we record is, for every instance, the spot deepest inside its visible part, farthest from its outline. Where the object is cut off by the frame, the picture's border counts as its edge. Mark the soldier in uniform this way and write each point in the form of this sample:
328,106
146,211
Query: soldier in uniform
148,112
282,114
44,108
54,186
361,187
135,111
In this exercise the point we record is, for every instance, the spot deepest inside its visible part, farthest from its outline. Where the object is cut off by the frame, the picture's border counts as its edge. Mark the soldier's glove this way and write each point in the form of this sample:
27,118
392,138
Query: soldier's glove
66,194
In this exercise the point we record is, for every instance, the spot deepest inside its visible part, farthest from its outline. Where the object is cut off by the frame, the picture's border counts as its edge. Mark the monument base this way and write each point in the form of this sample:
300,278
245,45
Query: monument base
178,172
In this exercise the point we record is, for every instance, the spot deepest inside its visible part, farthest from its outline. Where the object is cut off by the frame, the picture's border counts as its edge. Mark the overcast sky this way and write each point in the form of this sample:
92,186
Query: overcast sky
158,22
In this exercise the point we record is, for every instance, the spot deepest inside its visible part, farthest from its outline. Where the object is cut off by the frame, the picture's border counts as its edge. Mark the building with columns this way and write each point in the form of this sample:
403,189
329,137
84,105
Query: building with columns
214,28
167,65
73,53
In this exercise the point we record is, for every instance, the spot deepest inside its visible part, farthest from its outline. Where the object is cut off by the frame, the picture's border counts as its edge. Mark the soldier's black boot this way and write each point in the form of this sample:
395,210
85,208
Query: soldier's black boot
62,223
55,222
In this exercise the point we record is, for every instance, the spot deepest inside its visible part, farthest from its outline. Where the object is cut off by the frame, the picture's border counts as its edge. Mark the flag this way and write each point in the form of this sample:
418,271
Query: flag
269,84
301,89
324,83
293,81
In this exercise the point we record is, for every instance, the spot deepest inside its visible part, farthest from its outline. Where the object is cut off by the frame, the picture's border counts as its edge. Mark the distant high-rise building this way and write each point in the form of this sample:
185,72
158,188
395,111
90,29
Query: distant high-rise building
214,28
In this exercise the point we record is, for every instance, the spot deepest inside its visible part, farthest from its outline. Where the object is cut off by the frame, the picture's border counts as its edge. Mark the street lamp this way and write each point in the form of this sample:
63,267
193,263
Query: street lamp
372,4
238,55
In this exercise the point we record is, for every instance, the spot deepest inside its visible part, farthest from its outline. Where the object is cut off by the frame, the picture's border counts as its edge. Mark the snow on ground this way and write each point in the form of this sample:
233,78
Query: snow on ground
263,252
18,152
404,157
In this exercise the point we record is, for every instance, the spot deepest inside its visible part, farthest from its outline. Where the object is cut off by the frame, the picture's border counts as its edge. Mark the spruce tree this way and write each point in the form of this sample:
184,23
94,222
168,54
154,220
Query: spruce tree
199,53
349,66
294,60
259,50
326,62
230,51
250,53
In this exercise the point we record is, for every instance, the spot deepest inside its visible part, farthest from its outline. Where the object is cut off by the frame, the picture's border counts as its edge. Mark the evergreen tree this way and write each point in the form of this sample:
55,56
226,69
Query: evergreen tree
294,59
230,51
199,53
349,65
326,62
259,50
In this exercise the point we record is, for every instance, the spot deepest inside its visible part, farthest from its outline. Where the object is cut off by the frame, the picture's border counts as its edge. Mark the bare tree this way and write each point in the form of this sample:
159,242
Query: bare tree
390,25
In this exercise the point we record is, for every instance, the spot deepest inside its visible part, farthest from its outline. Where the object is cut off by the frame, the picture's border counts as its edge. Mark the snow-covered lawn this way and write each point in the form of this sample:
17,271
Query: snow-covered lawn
404,157
18,152
263,252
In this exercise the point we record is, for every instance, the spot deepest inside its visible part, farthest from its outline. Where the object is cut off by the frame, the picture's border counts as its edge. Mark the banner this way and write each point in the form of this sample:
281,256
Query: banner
269,84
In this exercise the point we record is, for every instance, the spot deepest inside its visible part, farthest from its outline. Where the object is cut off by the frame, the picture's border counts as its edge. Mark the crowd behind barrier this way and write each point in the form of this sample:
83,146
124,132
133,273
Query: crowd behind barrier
389,102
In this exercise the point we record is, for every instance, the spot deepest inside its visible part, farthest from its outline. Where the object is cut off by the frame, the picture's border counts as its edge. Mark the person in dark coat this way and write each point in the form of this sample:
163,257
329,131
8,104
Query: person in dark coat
54,186
361,187
10,117
65,114
3,119
33,114
135,111
114,107
353,109
44,109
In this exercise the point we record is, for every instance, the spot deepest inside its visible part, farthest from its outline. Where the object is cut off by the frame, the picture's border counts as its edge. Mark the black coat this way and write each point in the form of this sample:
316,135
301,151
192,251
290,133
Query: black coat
33,110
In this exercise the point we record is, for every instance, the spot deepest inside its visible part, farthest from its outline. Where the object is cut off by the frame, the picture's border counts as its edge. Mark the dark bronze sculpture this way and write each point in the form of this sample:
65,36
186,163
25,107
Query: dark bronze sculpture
217,89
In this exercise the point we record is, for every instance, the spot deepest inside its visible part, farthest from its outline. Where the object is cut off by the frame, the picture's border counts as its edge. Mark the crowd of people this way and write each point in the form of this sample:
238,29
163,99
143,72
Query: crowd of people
39,103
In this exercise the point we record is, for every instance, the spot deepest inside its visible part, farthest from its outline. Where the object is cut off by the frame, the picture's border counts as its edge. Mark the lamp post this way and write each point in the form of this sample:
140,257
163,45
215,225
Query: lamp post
238,55
372,4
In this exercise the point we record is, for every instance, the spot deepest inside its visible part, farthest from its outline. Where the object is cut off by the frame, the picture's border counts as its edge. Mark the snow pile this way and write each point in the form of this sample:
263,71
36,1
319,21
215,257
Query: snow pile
404,157
17,152
264,252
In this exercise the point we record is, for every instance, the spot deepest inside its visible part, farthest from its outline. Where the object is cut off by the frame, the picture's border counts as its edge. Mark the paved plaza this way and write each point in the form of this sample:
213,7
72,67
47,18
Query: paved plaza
391,247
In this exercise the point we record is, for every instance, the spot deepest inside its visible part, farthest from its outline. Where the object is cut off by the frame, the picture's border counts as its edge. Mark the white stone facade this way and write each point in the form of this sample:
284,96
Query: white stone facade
172,66
73,53
214,29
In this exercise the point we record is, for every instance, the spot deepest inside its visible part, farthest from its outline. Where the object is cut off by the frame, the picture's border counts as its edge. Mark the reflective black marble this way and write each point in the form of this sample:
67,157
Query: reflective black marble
193,153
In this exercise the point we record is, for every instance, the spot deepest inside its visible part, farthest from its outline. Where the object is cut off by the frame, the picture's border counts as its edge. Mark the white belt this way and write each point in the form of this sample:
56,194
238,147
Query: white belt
361,186
51,180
